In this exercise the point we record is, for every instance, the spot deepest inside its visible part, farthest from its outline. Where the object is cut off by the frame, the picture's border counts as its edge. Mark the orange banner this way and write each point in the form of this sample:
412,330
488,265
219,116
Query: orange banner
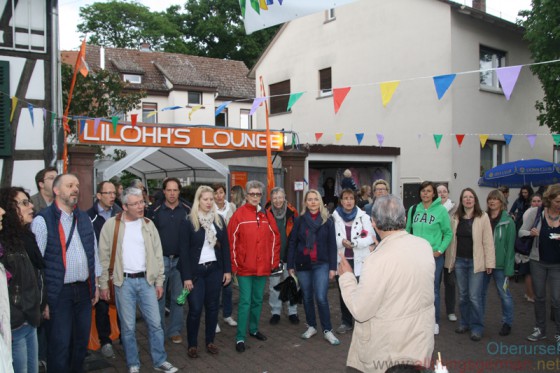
178,137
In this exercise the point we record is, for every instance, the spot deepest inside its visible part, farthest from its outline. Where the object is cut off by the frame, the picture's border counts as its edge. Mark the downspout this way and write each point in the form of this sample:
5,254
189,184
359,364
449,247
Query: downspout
56,81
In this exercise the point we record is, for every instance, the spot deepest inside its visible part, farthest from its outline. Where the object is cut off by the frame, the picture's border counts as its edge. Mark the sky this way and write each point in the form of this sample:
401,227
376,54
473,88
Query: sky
70,10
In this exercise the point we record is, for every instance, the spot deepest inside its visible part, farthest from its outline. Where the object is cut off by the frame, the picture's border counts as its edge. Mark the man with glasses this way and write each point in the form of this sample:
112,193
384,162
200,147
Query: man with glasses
103,209
137,277
44,196
255,251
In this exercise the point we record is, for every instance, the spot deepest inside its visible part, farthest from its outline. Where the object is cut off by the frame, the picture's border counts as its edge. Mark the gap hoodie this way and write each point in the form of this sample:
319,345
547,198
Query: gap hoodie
431,224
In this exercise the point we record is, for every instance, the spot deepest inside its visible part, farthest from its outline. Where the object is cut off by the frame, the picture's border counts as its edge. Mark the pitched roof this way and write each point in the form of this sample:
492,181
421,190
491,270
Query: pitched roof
227,77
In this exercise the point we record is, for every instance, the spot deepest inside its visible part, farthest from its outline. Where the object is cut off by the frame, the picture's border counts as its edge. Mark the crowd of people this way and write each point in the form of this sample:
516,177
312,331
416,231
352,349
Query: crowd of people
58,263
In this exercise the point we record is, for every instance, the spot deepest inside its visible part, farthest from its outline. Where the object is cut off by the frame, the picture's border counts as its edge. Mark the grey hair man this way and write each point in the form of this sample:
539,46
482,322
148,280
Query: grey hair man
396,283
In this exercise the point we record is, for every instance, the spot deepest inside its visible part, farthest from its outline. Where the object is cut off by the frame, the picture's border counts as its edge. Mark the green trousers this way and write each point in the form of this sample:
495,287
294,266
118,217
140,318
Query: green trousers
251,291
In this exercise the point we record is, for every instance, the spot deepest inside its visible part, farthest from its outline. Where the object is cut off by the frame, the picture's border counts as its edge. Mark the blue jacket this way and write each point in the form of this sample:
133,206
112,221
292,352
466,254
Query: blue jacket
98,220
54,266
326,245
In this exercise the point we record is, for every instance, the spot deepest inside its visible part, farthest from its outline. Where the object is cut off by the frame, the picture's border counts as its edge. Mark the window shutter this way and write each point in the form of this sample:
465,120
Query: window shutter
279,104
5,109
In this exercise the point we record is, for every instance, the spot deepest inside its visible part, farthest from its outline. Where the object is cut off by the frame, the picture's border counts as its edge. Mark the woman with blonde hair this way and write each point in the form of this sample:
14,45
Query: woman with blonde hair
205,267
312,255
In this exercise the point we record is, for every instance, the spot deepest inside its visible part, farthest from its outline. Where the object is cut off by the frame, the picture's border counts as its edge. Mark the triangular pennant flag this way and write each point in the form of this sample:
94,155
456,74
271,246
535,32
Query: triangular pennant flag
133,119
556,138
338,136
507,138
171,108
81,63
30,108
293,99
115,121
263,4
96,123
531,138
82,125
442,83
195,108
255,5
380,139
460,139
359,137
483,139
53,117
14,104
318,135
437,139
256,103
387,90
508,77
44,115
339,94
65,124
151,114
221,108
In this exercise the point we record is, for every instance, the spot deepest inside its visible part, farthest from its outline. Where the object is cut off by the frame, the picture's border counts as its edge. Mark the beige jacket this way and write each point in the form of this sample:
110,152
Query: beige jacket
484,254
154,253
393,305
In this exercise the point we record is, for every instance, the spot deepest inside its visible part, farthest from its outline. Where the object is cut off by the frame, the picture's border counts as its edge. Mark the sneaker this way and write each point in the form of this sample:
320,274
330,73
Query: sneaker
436,329
177,339
462,329
166,367
134,369
294,319
275,319
452,317
218,330
343,328
529,299
537,335
476,337
329,336
230,321
310,332
240,346
107,351
506,329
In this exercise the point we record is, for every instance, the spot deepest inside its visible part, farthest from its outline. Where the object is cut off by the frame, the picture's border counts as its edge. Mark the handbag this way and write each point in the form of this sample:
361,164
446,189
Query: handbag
112,261
523,245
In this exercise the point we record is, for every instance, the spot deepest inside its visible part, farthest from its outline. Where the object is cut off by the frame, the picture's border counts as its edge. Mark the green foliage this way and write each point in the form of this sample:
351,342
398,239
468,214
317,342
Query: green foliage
542,31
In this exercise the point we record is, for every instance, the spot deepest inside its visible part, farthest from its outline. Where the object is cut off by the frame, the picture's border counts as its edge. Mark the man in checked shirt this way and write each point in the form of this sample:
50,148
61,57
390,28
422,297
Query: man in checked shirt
67,241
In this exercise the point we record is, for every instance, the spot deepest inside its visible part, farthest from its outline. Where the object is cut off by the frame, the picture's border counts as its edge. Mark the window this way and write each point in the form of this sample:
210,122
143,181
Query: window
133,79
493,154
24,25
246,121
325,82
195,98
222,118
147,108
491,59
5,108
279,97
330,15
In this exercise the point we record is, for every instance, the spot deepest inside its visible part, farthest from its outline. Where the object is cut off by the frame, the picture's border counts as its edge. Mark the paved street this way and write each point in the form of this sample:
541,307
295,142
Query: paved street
285,351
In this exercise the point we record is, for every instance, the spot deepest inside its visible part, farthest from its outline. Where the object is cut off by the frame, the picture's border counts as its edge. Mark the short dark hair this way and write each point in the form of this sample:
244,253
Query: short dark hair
56,181
218,186
102,184
347,191
426,184
40,177
171,179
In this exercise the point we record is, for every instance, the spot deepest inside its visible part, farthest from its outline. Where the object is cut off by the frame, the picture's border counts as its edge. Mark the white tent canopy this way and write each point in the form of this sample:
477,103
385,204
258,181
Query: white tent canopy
159,163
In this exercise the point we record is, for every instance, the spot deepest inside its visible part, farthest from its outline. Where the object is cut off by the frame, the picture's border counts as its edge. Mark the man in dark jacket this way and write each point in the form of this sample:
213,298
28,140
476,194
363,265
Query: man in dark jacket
102,210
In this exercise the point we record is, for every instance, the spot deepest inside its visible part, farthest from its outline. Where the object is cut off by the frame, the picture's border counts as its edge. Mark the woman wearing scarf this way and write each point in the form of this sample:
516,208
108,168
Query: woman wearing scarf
312,255
353,238
205,267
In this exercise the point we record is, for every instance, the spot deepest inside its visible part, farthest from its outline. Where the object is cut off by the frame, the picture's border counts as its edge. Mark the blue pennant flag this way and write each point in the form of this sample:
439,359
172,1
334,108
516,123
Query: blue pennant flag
442,83
359,137
221,108
507,138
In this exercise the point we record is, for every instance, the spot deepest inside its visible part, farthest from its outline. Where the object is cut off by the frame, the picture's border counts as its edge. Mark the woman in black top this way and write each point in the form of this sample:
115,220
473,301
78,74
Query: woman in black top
521,204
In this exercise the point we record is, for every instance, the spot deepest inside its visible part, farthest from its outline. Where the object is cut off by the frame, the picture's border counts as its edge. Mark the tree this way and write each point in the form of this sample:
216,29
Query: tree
542,31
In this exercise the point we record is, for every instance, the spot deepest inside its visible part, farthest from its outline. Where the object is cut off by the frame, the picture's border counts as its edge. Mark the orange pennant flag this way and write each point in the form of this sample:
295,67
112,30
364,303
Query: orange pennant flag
318,135
81,63
339,94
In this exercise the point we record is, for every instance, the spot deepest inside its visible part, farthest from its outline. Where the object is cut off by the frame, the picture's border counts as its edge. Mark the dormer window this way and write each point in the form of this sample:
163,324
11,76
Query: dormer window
132,78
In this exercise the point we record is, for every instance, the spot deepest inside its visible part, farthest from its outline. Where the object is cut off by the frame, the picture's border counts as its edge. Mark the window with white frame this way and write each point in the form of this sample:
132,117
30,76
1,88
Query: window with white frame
147,108
195,98
132,78
246,121
491,58
222,118
325,82
493,154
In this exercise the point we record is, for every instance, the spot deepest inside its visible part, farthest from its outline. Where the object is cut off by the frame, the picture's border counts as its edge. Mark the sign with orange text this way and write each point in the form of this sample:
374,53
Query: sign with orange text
177,136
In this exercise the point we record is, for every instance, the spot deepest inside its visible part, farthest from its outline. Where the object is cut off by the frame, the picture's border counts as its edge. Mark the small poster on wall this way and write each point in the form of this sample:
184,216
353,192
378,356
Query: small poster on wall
239,178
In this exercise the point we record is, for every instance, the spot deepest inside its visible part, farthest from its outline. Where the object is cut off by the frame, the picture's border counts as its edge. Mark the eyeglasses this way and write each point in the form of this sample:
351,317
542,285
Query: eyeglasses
136,204
24,202
109,193
254,194
380,189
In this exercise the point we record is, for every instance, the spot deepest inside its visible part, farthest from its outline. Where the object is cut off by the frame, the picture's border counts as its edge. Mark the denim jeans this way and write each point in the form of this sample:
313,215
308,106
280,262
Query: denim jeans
174,284
541,273
227,300
206,292
505,295
450,284
470,295
251,290
25,349
273,300
315,287
440,260
137,291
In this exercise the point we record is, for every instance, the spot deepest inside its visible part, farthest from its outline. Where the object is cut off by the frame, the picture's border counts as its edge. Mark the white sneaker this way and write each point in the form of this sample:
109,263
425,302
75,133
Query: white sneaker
218,330
310,332
452,317
329,336
230,321
436,329
134,369
166,367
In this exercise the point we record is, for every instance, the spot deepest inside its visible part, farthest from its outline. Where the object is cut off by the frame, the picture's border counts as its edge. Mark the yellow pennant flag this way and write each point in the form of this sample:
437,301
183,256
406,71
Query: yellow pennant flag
151,114
14,104
195,108
338,136
483,139
387,90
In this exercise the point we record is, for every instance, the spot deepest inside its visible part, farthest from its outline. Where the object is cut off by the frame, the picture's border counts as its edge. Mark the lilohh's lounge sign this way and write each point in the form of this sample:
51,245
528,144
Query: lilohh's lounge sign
201,137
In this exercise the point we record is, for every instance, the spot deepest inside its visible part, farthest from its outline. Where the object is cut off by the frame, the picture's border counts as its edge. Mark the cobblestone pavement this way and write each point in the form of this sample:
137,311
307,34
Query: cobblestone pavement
285,351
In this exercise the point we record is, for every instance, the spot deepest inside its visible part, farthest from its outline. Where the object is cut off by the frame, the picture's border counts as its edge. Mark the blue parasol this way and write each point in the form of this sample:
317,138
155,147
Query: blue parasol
534,172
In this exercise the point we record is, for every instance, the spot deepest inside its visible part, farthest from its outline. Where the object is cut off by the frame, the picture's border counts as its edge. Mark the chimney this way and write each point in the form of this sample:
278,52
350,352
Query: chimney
480,5
145,47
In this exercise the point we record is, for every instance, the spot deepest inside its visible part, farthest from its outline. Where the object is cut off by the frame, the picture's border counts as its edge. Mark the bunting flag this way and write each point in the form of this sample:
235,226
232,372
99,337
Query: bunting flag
45,116
507,138
442,83
115,121
483,139
96,123
30,108
195,108
508,77
151,114
387,90
339,94
293,99
133,119
380,139
81,64
318,136
256,103
359,137
65,124
14,105
172,108
531,138
338,136
221,108
556,138
460,139
437,139
82,125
